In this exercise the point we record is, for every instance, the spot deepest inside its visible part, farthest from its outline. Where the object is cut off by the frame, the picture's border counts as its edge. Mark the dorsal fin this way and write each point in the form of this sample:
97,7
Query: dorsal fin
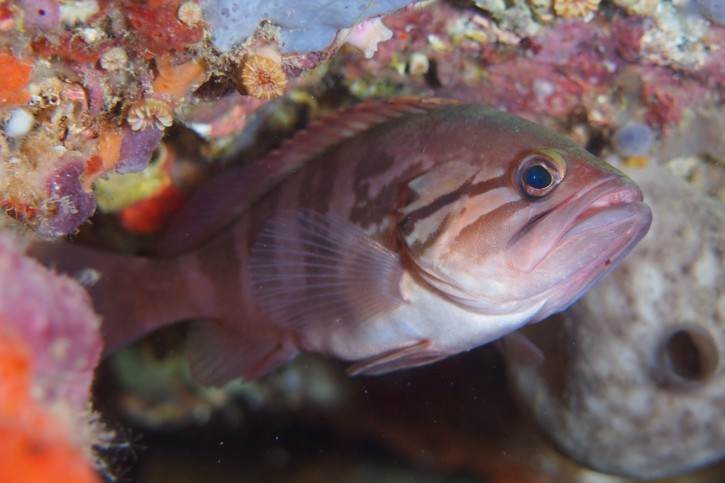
334,128
231,192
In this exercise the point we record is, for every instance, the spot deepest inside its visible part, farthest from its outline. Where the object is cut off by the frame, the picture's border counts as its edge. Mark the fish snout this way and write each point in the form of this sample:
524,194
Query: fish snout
617,204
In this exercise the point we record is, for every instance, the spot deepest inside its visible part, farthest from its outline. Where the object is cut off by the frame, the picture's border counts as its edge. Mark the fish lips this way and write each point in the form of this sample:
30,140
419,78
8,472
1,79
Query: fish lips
586,239
599,226
616,228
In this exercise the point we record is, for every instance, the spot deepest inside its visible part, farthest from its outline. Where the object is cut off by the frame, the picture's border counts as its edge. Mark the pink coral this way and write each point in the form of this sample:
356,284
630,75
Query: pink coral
43,14
54,317
68,204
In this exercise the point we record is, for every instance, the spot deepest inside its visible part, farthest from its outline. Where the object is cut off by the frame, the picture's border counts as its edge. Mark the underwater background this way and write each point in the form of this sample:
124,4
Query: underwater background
113,112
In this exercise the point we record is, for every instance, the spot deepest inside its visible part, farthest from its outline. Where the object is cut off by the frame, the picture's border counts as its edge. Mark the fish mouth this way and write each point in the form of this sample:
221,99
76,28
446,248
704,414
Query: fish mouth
600,236
598,229
601,224
619,207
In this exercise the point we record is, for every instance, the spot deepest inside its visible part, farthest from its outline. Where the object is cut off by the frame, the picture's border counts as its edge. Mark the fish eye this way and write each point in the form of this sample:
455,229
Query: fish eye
538,177
540,172
685,357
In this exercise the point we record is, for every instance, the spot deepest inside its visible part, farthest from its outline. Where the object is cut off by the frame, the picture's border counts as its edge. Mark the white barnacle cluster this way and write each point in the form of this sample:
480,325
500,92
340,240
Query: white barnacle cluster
150,114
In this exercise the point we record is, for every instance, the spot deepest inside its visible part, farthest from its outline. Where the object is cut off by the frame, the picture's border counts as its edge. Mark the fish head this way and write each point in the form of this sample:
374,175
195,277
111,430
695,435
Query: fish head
525,227
632,378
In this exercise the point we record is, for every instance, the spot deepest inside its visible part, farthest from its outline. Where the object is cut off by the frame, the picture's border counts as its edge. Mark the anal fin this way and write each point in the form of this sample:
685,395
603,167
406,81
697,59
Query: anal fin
218,354
414,355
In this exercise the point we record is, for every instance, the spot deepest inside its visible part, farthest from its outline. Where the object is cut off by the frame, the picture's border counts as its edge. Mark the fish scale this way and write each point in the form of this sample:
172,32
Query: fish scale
388,235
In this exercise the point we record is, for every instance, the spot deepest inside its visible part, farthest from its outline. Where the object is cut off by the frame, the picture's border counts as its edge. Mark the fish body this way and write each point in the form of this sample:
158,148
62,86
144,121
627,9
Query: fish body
393,235
632,381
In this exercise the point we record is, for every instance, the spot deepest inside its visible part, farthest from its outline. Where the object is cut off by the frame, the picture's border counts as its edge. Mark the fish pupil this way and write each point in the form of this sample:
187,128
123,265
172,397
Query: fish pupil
538,177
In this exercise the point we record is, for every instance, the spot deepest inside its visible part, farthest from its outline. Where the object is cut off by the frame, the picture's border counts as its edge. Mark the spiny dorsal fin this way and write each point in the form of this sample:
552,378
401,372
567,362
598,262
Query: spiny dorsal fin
233,191
332,129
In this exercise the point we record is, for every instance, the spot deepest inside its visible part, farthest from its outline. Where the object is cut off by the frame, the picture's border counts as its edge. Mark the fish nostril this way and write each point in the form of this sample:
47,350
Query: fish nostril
686,356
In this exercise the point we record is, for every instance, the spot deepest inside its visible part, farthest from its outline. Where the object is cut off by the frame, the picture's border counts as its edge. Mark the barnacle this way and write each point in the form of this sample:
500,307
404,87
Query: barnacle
189,13
575,8
114,59
418,63
150,113
45,94
263,77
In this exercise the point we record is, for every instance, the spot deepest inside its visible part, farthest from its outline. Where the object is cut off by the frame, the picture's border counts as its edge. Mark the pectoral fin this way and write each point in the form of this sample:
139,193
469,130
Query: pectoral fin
414,355
520,347
307,268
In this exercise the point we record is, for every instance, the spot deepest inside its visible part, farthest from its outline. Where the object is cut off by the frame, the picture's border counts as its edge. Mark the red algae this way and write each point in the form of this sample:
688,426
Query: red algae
14,371
150,215
158,25
36,444
176,81
15,77
69,47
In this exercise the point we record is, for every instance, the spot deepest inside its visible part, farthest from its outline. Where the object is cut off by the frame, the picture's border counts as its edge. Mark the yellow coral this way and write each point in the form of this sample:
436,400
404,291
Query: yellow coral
117,191
575,8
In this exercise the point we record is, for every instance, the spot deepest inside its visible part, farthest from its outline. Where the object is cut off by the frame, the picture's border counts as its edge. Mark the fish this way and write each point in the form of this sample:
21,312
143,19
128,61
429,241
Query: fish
632,380
391,235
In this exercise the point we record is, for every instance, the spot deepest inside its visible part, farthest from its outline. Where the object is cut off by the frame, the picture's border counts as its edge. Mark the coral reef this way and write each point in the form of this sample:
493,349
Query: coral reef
633,139
129,105
92,86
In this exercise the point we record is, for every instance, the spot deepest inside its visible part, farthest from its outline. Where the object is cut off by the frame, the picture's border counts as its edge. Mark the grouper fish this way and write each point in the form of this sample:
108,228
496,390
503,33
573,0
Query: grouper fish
394,234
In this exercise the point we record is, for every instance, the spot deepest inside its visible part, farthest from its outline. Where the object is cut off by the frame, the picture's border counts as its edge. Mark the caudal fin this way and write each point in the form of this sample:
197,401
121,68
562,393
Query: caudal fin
133,295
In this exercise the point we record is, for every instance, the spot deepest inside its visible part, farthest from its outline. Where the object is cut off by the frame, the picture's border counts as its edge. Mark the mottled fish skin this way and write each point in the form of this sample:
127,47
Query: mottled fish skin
633,378
395,235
